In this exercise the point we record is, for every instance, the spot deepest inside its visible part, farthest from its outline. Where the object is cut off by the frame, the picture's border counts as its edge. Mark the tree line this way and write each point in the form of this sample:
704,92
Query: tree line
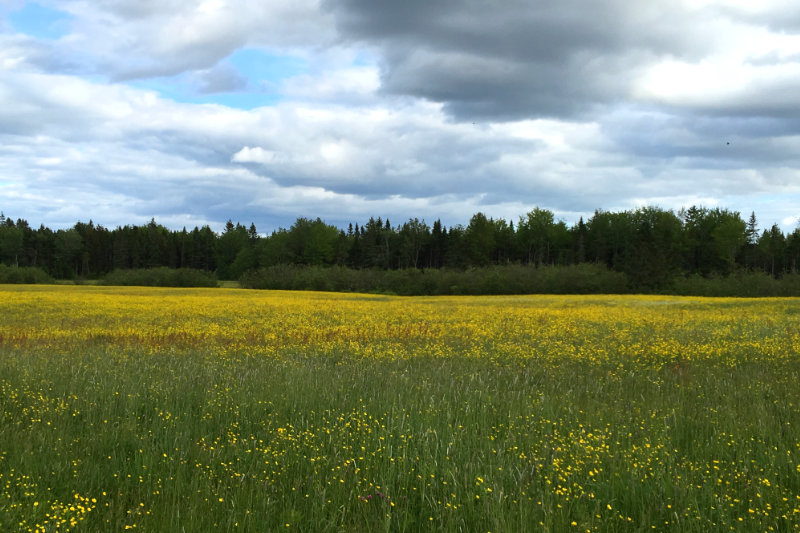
650,246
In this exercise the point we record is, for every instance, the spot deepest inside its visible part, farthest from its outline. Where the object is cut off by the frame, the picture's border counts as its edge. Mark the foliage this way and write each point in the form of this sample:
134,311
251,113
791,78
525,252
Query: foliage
23,275
198,410
649,246
509,279
584,278
739,284
162,277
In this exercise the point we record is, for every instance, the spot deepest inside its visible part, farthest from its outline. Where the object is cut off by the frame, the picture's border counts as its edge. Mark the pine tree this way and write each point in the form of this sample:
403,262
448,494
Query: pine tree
752,230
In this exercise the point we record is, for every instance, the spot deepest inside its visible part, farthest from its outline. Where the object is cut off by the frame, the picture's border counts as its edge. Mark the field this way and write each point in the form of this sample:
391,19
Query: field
219,409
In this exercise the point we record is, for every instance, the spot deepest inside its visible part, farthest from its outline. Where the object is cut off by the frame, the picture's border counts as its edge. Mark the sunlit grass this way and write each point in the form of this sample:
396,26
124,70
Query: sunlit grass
170,410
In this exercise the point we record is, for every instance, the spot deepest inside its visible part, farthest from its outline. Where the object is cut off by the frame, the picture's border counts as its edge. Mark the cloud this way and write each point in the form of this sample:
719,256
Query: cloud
222,78
74,147
130,39
522,59
353,84
255,155
753,72
401,109
123,155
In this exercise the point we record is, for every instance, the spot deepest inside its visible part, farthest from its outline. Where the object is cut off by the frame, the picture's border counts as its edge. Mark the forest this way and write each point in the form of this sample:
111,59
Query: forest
650,246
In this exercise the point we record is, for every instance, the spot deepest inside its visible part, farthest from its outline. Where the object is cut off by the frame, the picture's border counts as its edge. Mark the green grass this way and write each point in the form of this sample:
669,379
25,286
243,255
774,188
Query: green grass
197,443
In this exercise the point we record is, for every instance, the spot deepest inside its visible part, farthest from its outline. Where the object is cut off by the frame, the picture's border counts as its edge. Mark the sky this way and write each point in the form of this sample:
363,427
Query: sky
263,111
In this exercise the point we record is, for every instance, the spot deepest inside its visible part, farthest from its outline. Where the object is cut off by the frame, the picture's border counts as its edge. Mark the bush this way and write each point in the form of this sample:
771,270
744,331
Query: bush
738,284
584,278
9,274
790,284
162,277
506,279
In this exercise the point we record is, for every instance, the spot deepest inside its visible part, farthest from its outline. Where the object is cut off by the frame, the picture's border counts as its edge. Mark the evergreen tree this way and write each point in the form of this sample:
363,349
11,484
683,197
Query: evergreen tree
252,232
772,245
793,251
437,247
235,240
750,251
751,231
68,253
580,241
11,242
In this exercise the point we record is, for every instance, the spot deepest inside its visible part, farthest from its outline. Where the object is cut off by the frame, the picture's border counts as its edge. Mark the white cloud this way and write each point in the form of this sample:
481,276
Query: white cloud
723,86
791,221
752,69
255,155
135,38
345,84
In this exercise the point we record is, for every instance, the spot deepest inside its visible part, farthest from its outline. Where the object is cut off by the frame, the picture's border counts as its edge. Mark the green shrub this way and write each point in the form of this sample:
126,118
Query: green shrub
162,277
584,278
739,284
10,274
505,279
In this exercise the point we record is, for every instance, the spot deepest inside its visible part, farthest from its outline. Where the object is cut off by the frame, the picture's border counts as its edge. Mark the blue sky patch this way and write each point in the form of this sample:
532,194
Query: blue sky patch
38,21
260,74
180,89
261,67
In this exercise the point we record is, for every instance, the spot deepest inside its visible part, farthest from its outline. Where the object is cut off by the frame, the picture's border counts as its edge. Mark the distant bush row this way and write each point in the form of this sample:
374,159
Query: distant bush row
162,277
738,284
512,279
148,277
10,274
585,278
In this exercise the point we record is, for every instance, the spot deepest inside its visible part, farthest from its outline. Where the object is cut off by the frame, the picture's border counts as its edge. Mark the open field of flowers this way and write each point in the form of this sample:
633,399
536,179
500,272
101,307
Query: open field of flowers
233,410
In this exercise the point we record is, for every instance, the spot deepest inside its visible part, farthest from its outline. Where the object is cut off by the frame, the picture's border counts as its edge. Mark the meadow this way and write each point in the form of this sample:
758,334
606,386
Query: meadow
220,409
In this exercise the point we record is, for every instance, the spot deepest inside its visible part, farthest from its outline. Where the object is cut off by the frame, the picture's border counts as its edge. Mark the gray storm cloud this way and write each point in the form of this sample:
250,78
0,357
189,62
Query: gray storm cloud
519,59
